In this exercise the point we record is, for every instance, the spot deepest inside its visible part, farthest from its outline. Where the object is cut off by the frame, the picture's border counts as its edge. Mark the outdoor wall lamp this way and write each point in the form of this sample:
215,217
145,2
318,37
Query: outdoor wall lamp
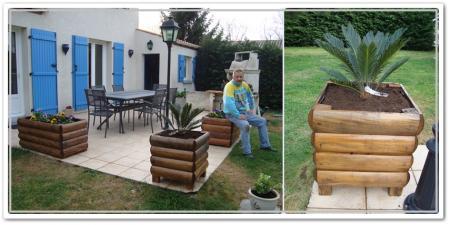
169,30
65,48
130,52
150,45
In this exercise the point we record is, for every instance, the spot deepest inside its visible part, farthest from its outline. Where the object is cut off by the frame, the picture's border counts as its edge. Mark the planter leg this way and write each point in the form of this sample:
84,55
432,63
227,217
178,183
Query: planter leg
395,191
190,186
325,189
156,179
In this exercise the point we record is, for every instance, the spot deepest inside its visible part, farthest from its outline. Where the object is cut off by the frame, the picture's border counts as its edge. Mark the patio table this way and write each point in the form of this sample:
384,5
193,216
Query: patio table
123,96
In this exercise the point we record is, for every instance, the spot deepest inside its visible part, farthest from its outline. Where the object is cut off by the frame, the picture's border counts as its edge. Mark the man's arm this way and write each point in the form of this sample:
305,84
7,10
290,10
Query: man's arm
229,103
251,101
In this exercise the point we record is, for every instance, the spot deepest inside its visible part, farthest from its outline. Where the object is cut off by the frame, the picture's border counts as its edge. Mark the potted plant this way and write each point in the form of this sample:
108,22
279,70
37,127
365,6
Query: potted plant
56,135
180,99
68,111
263,196
180,153
222,131
364,130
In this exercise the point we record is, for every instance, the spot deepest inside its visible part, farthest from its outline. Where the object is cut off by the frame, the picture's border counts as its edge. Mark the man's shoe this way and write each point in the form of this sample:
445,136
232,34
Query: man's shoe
268,149
250,156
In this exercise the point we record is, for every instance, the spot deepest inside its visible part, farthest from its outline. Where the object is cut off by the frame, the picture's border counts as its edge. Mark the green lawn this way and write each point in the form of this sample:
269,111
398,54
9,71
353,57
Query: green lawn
40,183
303,83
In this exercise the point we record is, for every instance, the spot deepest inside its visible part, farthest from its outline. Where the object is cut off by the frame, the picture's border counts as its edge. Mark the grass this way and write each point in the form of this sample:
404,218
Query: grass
303,83
41,183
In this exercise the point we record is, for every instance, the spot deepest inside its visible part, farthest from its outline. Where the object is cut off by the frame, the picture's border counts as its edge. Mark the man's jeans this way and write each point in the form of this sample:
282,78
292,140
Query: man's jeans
244,127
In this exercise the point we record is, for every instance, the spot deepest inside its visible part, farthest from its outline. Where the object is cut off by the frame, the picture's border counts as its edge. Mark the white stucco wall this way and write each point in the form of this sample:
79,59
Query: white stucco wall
106,25
159,47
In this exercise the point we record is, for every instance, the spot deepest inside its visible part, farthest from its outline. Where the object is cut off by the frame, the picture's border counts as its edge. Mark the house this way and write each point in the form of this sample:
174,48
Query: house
56,53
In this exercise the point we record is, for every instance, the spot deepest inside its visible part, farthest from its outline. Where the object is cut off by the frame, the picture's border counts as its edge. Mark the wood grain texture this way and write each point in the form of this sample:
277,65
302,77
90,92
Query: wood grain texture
216,121
364,144
172,163
157,171
362,163
220,142
178,143
363,179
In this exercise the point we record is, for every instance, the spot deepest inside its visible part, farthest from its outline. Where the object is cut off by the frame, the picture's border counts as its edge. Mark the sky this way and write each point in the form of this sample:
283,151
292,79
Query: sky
251,25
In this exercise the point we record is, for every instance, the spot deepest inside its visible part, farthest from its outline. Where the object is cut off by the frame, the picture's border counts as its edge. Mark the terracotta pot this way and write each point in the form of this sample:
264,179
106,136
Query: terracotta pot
59,140
362,148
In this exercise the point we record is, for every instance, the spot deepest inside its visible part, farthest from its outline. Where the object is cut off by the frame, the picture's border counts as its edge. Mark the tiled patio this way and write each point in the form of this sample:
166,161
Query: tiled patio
128,155
367,200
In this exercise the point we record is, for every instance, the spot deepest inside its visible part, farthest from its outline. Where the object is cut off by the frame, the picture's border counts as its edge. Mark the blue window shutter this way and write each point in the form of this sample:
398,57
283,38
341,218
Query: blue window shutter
181,68
80,77
194,63
118,64
44,71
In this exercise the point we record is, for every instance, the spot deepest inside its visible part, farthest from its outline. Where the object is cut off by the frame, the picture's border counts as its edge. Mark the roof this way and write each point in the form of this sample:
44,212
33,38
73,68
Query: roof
260,43
178,42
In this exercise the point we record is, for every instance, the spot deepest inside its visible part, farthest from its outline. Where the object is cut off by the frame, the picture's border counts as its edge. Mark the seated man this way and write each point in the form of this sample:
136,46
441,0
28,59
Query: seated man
239,108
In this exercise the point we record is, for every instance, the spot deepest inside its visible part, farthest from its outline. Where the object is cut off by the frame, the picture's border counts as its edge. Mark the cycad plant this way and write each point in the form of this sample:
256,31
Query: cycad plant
365,61
183,118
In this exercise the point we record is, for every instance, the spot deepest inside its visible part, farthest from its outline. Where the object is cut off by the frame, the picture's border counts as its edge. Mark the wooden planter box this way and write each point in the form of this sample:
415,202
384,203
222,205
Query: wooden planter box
58,140
361,148
222,131
178,159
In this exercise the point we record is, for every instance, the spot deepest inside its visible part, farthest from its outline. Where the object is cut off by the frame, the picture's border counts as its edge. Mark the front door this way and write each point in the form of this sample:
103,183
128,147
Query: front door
151,70
15,96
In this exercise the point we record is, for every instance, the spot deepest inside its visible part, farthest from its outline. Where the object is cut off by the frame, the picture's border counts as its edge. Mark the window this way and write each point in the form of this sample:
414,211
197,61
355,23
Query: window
185,69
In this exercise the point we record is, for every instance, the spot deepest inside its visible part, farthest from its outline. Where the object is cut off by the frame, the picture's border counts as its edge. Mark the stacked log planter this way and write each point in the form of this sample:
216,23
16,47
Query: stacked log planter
361,148
58,140
222,131
179,159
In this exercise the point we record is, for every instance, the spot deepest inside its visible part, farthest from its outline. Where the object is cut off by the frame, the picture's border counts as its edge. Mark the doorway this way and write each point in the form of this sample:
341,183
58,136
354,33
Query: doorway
151,70
15,94
96,65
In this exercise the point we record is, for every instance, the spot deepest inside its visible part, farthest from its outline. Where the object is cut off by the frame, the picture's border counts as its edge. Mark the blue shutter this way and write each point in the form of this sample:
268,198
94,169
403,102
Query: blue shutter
194,63
44,71
118,64
181,68
79,71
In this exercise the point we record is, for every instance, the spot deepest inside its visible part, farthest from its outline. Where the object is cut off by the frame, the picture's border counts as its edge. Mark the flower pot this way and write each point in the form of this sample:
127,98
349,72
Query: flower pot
222,131
260,203
68,111
58,140
179,159
364,148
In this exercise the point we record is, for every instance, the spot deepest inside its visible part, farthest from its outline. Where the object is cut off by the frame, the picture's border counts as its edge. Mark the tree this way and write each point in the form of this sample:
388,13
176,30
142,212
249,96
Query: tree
194,25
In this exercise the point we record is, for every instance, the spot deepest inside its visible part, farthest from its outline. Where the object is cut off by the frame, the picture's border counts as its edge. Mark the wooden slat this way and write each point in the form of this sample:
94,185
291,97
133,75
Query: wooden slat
173,143
157,171
363,179
74,126
216,128
172,163
200,159
74,141
172,153
74,134
363,163
39,125
216,121
220,142
41,148
40,133
201,169
219,135
40,140
364,144
75,149
362,122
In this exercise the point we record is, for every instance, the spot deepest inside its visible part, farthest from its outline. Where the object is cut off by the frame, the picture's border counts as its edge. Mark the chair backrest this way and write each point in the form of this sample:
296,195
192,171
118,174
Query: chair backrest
158,98
117,88
172,95
159,86
99,99
89,97
99,87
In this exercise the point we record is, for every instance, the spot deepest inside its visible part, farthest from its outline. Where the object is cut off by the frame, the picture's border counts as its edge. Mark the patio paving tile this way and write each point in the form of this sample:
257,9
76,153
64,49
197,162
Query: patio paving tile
109,157
143,165
113,169
139,155
93,164
378,198
127,161
341,198
134,174
336,211
420,155
75,159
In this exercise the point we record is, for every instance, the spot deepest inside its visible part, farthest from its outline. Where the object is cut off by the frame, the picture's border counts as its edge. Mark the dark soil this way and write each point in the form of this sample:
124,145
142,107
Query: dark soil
342,98
187,135
270,194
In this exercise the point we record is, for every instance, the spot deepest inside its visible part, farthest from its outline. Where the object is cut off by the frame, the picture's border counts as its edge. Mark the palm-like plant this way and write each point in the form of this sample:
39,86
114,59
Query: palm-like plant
183,118
365,61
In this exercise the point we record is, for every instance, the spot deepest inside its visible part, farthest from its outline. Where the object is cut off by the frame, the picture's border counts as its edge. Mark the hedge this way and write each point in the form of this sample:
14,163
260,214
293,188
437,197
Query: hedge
302,28
215,55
